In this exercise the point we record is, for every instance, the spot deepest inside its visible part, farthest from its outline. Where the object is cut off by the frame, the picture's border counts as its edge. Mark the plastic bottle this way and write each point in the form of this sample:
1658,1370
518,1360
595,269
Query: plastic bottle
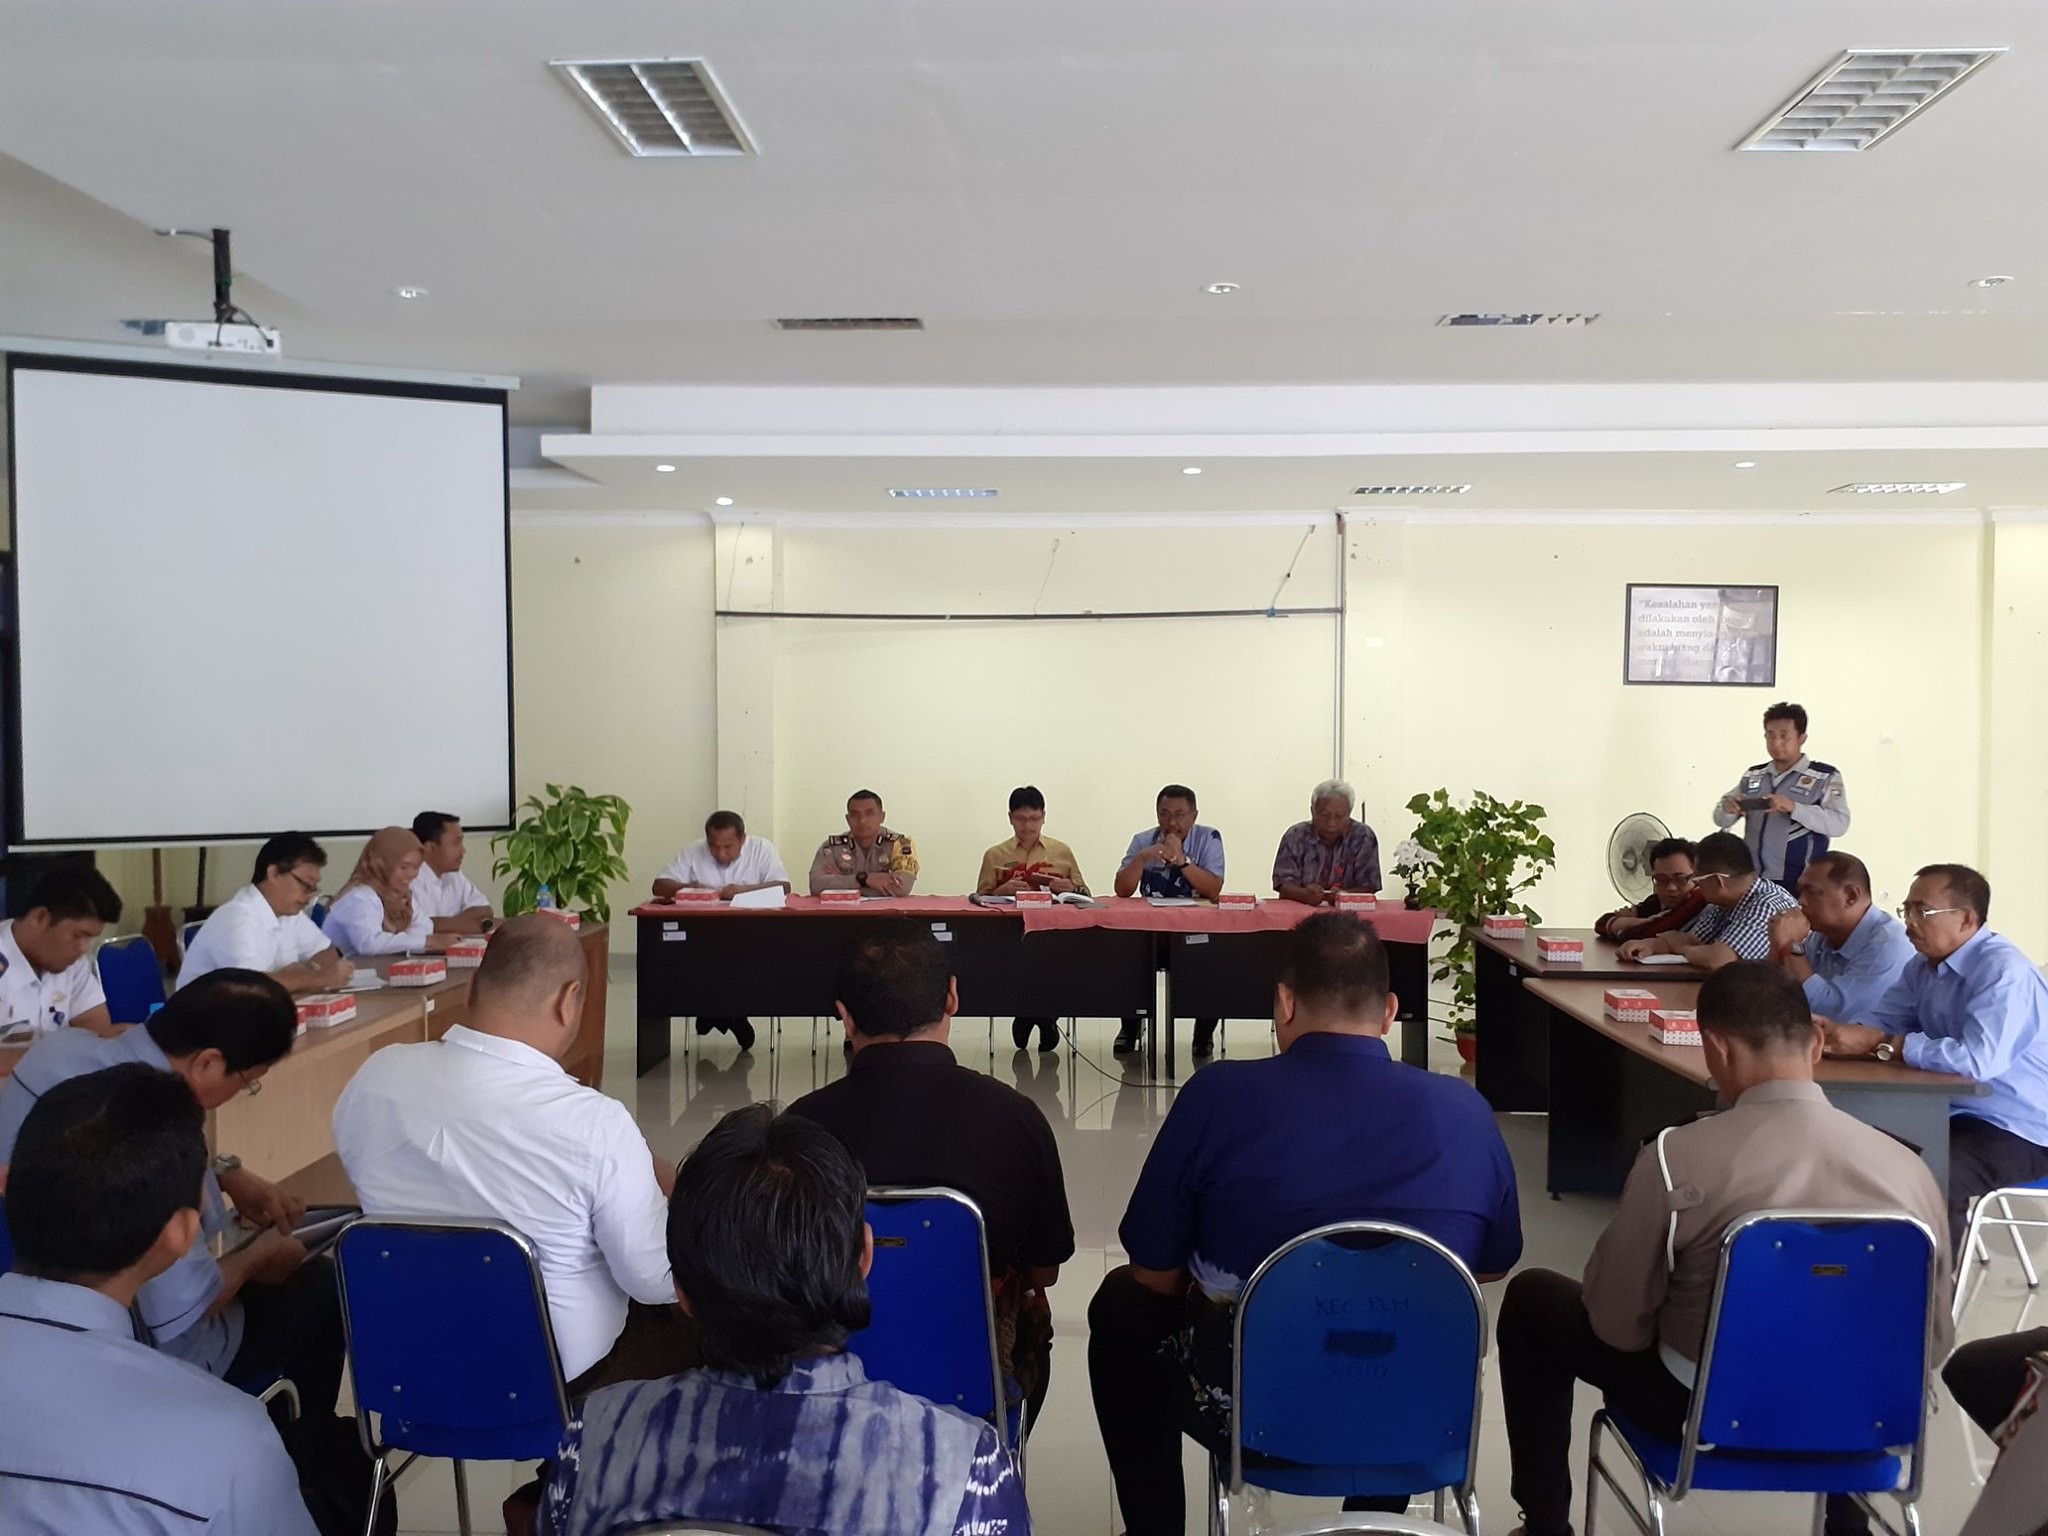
545,900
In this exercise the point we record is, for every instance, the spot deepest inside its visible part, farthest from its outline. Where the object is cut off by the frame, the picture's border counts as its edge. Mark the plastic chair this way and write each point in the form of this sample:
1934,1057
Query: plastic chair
1813,1378
449,1345
1355,1370
934,1318
1974,1246
318,910
132,977
187,932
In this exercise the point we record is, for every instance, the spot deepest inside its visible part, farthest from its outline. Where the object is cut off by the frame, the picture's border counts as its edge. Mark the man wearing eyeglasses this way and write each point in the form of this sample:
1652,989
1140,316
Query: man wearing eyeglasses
1973,1004
1672,902
1789,805
1735,923
264,927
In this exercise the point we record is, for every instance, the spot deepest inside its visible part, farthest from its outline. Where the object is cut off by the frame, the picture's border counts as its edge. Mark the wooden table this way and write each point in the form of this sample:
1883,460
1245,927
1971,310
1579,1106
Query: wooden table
1613,1087
1512,1029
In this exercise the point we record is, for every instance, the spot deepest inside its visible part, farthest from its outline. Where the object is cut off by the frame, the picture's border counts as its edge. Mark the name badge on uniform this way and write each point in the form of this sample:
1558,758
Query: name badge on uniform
1805,782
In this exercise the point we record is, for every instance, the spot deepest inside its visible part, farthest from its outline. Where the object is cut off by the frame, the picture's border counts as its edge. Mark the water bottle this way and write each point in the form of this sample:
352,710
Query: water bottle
545,901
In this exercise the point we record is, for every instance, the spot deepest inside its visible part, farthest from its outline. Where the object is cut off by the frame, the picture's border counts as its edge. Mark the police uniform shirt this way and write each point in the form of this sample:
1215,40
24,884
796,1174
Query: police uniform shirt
101,1433
43,1003
1782,1146
448,895
843,865
758,864
245,931
1783,843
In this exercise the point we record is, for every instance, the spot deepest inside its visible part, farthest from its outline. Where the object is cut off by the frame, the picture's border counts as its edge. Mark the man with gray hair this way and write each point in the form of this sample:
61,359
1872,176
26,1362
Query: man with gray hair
1328,853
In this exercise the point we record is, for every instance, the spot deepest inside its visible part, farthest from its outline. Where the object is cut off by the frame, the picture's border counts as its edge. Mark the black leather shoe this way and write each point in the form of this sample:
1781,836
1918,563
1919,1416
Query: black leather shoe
1203,1046
743,1031
1126,1044
1020,1033
1048,1038
703,1026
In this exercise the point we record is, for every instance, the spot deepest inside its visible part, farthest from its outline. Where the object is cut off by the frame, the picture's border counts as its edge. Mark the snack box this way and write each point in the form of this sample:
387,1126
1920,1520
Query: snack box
418,971
1362,902
1631,1005
839,898
574,920
1506,925
1034,898
1236,901
319,1010
692,896
1555,947
1674,1026
467,954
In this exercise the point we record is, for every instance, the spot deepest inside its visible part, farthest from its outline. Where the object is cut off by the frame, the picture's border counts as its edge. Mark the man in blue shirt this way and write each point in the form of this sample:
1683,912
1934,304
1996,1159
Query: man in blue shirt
263,1310
1252,1155
779,1428
1973,1004
98,1431
1844,952
1178,860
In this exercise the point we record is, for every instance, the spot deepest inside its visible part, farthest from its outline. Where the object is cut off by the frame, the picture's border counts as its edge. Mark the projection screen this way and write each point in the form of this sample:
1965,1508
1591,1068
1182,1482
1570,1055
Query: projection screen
246,603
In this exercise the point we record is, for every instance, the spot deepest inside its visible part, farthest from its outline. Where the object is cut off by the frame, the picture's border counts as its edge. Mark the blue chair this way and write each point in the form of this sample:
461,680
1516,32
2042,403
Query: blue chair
1813,1377
934,1319
187,933
1355,1371
449,1345
132,977
6,1242
1981,1217
318,910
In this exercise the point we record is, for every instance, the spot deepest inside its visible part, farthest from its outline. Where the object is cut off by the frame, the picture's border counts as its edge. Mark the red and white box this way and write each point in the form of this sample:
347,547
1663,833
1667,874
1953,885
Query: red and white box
1674,1026
417,971
466,954
1631,1005
320,1010
1506,925
1362,903
839,898
561,915
1034,898
1236,901
1559,950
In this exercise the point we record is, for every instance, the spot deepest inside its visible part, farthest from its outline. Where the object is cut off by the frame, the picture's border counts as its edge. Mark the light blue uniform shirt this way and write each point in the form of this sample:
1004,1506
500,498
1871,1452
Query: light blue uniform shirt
1202,847
1848,982
175,1303
103,1434
1982,1012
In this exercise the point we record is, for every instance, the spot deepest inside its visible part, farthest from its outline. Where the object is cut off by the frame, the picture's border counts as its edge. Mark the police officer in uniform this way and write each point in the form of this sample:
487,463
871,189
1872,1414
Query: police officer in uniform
1790,806
867,856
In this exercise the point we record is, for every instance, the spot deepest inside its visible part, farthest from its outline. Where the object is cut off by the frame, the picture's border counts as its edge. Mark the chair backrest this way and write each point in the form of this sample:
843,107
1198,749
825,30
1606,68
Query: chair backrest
318,910
449,1342
933,1330
187,933
1818,1337
1359,1345
6,1242
132,977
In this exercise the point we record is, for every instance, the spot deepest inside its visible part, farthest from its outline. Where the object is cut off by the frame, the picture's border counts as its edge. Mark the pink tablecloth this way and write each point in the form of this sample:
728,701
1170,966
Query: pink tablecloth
1396,924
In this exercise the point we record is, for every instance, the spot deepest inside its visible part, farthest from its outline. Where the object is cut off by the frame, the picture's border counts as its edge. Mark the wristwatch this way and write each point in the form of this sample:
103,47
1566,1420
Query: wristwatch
1887,1049
227,1162
861,879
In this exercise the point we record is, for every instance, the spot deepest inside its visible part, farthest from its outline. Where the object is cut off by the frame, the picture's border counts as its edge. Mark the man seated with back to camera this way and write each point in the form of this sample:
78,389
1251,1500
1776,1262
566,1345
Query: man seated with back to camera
1252,1155
914,1116
1735,923
779,1428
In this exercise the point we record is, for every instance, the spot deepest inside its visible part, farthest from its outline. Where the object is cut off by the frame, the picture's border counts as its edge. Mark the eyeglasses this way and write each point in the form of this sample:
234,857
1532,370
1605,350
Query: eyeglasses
310,887
1913,912
250,1085
1703,879
1674,882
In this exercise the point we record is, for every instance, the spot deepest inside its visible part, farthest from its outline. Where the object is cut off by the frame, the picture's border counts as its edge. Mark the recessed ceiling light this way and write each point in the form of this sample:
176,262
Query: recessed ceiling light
1192,469
1220,288
723,501
1996,281
420,293
1745,463
664,469
1902,487
939,493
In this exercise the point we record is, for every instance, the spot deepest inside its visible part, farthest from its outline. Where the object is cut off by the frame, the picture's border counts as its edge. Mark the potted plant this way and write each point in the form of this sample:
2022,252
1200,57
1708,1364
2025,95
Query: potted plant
1477,859
572,843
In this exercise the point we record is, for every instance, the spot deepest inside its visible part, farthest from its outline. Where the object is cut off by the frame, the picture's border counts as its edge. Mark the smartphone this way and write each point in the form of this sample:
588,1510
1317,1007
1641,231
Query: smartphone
1753,802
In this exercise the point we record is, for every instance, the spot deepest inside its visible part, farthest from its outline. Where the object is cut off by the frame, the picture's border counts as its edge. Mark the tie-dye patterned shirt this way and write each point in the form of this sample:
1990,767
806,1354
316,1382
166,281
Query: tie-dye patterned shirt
824,1452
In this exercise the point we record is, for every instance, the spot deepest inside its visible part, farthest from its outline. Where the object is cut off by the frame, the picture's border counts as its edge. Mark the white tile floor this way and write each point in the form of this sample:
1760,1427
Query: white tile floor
1104,1115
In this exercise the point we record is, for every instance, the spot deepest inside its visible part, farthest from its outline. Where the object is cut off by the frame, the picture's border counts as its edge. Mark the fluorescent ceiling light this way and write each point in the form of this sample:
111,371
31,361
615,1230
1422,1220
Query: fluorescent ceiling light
1506,321
1192,469
1901,487
939,493
664,469
1410,490
722,501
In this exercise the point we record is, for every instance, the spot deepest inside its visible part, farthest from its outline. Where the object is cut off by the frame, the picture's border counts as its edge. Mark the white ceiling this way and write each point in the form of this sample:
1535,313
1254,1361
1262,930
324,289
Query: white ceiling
1049,184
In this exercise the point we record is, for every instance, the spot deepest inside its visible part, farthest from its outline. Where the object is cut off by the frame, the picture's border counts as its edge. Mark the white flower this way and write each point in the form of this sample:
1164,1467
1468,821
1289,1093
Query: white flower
1411,855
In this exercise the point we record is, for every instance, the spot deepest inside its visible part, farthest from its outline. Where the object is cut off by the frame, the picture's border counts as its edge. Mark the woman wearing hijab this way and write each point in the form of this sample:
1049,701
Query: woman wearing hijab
375,914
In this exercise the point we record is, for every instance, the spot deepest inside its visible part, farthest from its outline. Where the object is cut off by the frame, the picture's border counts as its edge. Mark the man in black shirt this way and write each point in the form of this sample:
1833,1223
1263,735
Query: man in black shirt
913,1116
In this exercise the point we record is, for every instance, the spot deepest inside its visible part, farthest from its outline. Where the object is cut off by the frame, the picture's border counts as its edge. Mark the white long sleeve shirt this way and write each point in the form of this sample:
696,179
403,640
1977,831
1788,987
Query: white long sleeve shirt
448,895
244,931
355,926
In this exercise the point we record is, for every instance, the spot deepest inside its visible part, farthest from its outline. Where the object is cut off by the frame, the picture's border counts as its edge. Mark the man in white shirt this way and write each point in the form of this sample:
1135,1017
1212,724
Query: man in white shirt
48,978
442,890
264,927
485,1123
731,863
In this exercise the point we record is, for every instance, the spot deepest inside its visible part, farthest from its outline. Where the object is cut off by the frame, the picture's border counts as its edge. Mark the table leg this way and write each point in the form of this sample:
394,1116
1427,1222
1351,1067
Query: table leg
1512,1026
1605,1102
651,1031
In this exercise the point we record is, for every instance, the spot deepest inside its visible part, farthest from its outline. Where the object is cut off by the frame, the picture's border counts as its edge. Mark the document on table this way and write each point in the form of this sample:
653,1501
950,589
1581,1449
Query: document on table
767,898
1662,960
1172,901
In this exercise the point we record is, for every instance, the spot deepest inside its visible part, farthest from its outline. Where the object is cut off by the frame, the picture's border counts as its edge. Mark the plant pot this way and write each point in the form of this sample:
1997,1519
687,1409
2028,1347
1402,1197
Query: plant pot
1412,903
1468,1049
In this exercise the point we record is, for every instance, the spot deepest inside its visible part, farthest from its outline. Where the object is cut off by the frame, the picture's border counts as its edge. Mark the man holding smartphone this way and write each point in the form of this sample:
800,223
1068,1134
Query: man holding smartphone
1791,805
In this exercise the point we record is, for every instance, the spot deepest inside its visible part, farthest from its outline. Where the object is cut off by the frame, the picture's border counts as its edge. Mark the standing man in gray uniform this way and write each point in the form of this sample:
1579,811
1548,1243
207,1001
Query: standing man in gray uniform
1791,805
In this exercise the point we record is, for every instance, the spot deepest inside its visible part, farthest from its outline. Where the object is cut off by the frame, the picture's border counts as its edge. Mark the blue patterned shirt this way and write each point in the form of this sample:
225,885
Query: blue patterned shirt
1202,847
824,1452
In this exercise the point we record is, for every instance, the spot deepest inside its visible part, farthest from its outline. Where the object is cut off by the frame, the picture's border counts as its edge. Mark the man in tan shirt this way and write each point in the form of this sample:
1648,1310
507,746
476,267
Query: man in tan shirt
866,857
1030,861
1636,1327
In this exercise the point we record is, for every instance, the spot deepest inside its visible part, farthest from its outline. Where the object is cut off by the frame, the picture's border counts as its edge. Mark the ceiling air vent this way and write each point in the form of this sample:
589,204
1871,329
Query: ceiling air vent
1900,487
881,323
658,106
939,493
1866,95
1567,322
1411,490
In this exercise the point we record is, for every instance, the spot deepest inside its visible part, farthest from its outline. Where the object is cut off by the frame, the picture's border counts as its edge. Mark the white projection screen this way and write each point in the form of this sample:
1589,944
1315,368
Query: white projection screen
251,603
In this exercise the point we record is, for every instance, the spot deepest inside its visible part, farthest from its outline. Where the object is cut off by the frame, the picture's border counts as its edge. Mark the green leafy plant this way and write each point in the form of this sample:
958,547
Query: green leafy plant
1476,859
573,843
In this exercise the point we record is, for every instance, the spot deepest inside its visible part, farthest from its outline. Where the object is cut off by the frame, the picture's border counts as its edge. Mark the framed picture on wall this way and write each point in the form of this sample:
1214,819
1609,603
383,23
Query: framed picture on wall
1701,636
